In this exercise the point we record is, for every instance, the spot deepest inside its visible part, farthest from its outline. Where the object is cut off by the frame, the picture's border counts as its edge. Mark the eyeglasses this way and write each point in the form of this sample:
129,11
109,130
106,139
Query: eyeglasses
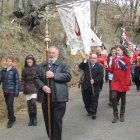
52,53
93,57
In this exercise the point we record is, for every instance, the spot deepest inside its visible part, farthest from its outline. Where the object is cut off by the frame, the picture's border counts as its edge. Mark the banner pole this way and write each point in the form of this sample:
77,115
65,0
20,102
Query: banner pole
47,16
90,75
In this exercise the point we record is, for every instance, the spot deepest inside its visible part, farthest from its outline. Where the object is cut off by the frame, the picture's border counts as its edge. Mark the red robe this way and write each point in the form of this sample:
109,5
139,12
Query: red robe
135,55
103,57
121,78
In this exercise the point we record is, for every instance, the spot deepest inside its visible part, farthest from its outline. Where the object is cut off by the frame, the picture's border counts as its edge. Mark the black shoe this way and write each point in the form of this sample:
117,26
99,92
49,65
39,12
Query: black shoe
138,88
110,103
10,123
34,118
31,119
30,122
89,114
34,121
93,116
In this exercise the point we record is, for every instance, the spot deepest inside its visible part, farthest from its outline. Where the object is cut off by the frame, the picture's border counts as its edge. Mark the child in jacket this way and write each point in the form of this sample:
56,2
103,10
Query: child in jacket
9,78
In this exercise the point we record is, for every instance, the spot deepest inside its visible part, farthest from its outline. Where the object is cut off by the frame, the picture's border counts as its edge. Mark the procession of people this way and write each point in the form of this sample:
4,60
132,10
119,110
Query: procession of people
120,68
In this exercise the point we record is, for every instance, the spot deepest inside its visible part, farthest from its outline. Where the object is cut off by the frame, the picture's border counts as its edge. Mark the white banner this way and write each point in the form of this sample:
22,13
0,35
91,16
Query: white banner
95,41
76,21
125,38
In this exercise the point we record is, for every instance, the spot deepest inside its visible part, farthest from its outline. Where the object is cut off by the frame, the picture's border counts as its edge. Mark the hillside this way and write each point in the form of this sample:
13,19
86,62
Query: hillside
16,41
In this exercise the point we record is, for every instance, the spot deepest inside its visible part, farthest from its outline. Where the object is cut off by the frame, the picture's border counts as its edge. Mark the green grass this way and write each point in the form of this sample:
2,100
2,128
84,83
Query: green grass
28,47
39,58
26,12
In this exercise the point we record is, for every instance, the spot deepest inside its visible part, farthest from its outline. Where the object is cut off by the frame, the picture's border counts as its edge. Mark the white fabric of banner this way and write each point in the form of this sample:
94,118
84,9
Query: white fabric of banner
76,21
95,41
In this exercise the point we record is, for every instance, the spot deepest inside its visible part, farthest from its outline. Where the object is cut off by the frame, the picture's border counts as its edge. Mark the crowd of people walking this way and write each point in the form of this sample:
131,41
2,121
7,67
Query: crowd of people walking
120,68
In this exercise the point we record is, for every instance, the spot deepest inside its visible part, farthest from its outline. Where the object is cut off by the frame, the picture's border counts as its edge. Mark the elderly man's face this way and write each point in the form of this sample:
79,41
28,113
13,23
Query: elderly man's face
53,55
98,51
93,58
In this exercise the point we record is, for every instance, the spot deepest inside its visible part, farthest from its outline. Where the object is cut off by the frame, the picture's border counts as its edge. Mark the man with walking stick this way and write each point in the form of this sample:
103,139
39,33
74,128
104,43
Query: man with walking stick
59,74
93,79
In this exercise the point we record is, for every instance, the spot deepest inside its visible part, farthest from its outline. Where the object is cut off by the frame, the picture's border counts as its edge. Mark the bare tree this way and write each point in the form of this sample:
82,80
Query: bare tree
16,4
29,5
131,7
1,11
136,6
98,2
24,4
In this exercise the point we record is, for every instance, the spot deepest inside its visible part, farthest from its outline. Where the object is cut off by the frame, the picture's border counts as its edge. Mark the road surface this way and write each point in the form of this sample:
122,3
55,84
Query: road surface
78,126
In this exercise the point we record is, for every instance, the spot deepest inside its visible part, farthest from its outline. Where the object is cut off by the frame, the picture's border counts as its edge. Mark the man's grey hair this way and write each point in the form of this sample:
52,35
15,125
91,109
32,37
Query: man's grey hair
55,48
98,48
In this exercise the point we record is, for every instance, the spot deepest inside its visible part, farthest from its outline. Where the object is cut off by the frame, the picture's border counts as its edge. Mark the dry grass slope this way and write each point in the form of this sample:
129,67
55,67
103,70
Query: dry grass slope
16,41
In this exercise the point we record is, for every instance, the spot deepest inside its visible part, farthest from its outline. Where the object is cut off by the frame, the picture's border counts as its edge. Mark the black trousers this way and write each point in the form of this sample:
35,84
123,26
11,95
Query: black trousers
57,113
91,102
101,84
9,99
137,76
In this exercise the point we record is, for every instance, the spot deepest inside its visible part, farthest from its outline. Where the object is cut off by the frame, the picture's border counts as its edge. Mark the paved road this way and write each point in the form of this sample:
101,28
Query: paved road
78,126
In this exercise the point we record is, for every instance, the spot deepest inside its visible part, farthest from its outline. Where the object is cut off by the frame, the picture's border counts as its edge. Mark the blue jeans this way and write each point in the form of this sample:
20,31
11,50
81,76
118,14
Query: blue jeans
132,72
9,99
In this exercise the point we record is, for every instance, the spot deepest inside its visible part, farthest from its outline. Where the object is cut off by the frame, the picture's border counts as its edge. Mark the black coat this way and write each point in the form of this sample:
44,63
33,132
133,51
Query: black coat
97,76
10,81
106,74
59,88
27,85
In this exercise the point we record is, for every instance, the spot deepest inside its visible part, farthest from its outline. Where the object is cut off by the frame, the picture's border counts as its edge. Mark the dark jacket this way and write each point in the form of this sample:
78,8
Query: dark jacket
58,84
10,81
97,75
106,74
27,85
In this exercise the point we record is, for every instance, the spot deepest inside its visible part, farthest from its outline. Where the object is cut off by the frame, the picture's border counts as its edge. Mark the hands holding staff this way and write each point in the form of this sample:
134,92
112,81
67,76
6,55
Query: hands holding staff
92,81
87,57
46,89
49,74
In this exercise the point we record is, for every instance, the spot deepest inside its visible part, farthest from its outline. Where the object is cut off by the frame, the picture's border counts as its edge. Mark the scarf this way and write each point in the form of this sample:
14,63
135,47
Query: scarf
121,64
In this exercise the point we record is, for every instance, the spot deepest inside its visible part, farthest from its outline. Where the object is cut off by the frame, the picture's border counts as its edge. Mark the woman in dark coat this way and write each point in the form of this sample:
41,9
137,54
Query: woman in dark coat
120,69
28,88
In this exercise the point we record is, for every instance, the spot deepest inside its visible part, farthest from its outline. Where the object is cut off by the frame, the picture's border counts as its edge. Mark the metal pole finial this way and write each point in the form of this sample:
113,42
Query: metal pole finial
46,16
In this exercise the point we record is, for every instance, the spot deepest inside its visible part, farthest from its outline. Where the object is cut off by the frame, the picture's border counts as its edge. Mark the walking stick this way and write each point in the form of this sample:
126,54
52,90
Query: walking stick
89,66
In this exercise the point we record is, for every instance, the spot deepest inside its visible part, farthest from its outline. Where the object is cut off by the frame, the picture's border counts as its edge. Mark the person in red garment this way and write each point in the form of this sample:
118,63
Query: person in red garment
121,77
101,59
135,59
